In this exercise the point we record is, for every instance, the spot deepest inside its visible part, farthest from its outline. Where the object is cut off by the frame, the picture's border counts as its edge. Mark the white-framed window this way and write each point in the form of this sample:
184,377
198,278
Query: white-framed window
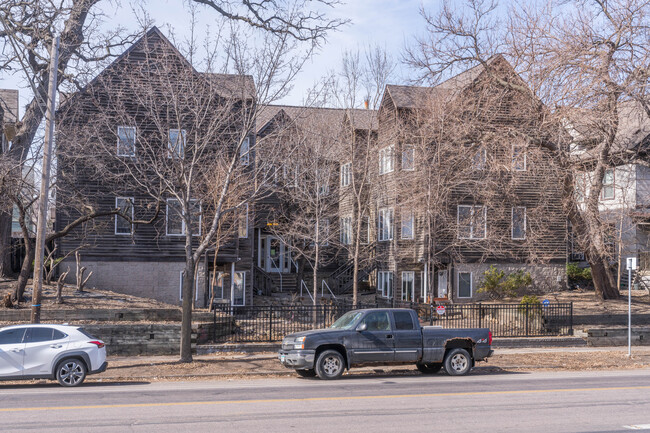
386,160
608,184
479,159
244,151
385,283
519,157
471,221
518,222
238,288
408,158
126,141
408,223
408,286
346,230
196,288
385,224
216,285
243,222
177,138
175,221
346,174
465,284
125,205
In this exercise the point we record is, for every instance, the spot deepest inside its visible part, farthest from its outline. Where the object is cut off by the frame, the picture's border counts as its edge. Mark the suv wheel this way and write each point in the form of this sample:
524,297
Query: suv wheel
330,365
70,372
458,362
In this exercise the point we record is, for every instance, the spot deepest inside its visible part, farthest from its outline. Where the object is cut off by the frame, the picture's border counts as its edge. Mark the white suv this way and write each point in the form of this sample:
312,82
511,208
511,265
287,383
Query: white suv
61,352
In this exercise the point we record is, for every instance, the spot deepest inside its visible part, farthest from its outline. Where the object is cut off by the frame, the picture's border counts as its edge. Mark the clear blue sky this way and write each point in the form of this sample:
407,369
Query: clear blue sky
390,23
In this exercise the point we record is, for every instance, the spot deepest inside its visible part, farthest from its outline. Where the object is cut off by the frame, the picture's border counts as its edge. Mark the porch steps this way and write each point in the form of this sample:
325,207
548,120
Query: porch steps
283,282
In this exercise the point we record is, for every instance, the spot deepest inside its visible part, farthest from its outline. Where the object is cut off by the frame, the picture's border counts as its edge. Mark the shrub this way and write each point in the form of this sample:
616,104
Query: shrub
530,300
496,284
576,274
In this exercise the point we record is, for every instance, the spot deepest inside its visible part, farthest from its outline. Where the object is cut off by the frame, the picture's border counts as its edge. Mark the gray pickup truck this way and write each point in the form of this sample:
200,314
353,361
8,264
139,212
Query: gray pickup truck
384,336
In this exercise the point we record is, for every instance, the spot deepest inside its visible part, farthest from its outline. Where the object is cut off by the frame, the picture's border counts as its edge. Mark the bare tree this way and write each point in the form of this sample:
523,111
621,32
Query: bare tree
576,57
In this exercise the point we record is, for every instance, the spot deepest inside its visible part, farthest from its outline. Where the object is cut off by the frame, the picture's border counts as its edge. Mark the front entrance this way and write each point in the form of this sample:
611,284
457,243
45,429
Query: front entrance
273,255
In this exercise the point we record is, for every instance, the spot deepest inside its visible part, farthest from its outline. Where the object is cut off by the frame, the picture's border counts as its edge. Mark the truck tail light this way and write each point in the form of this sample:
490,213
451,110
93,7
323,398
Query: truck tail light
99,344
490,338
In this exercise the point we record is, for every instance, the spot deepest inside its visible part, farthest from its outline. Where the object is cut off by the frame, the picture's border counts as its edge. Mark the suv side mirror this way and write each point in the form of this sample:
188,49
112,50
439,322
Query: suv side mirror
362,327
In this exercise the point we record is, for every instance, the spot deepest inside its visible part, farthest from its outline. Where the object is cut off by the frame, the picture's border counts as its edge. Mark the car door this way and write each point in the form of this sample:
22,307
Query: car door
11,352
42,345
407,336
375,343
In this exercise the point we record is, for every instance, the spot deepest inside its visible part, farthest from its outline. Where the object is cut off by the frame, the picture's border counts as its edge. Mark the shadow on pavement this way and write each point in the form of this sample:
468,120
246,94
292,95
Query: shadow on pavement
55,385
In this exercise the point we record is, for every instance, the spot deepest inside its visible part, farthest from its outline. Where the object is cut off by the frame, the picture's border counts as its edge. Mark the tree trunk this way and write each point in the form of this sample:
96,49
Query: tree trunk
186,321
25,272
5,244
602,278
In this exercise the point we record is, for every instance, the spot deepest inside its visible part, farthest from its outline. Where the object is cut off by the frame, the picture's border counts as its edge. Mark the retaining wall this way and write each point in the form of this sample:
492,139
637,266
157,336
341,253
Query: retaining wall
599,337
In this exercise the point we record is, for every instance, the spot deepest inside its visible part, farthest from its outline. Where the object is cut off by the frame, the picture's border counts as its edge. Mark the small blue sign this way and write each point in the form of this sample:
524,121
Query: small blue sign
546,302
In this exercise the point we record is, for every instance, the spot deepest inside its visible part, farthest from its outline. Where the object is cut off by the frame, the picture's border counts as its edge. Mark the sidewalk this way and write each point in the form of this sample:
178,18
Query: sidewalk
237,365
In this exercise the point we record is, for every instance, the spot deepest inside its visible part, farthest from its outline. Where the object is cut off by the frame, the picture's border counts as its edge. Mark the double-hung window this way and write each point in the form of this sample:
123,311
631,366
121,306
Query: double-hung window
244,151
346,174
386,160
519,157
385,283
479,159
408,158
122,225
518,222
471,222
176,143
385,224
408,223
176,225
608,184
346,230
126,141
464,284
408,286
216,284
238,288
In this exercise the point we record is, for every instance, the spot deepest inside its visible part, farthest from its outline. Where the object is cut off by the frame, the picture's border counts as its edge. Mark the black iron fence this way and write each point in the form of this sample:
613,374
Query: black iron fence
272,323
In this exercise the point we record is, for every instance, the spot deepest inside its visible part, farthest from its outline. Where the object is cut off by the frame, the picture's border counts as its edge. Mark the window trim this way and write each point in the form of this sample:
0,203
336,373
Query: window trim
232,288
483,163
471,235
386,154
514,162
612,185
170,150
381,278
412,218
410,149
512,223
183,225
244,151
346,174
118,141
345,235
132,200
471,285
211,288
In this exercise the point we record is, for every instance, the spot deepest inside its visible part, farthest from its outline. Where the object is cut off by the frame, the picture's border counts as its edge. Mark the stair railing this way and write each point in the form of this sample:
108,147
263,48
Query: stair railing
303,284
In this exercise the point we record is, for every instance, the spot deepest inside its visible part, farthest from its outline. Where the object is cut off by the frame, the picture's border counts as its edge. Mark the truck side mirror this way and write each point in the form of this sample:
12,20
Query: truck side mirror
362,327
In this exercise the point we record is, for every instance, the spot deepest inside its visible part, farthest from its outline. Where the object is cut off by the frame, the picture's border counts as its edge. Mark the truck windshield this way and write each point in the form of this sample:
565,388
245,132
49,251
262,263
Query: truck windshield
347,320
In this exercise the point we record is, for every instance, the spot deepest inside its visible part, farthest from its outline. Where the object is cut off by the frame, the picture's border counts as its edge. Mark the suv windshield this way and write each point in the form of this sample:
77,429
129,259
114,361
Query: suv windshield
347,320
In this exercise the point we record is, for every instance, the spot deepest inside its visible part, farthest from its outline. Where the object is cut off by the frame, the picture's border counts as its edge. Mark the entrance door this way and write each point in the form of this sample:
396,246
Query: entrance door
274,254
442,284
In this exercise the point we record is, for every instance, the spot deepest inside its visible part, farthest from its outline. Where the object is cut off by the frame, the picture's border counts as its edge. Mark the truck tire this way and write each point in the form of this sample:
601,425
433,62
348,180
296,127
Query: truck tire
430,368
458,362
306,373
330,365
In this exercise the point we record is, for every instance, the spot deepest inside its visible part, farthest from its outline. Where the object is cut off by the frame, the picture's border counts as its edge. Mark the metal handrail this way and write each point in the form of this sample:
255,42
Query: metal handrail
302,283
322,290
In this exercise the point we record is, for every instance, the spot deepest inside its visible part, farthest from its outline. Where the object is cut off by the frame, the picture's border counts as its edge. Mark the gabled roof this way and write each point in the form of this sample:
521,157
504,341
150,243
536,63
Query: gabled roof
9,103
416,96
305,118
362,119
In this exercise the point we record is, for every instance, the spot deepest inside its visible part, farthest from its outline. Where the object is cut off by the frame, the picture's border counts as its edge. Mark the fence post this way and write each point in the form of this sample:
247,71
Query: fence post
526,319
431,314
571,318
214,324
270,323
480,315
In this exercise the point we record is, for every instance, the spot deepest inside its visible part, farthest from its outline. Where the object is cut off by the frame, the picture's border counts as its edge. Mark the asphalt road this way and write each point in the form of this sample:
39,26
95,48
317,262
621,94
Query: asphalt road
550,402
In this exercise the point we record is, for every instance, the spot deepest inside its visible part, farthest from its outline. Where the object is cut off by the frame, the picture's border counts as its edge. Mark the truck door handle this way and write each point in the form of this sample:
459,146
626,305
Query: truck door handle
389,336
55,346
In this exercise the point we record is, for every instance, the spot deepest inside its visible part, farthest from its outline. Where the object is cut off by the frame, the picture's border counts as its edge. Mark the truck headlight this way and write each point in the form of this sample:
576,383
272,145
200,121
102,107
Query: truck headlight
299,343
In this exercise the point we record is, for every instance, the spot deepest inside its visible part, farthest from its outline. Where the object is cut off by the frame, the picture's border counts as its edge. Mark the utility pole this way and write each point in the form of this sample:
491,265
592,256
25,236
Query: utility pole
41,230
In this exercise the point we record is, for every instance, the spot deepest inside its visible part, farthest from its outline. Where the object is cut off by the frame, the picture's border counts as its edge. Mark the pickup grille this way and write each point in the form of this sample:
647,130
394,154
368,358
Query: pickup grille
287,343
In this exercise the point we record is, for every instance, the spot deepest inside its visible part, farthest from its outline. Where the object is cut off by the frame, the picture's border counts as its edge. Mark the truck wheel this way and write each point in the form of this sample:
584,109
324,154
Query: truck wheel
306,373
430,368
330,365
458,362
